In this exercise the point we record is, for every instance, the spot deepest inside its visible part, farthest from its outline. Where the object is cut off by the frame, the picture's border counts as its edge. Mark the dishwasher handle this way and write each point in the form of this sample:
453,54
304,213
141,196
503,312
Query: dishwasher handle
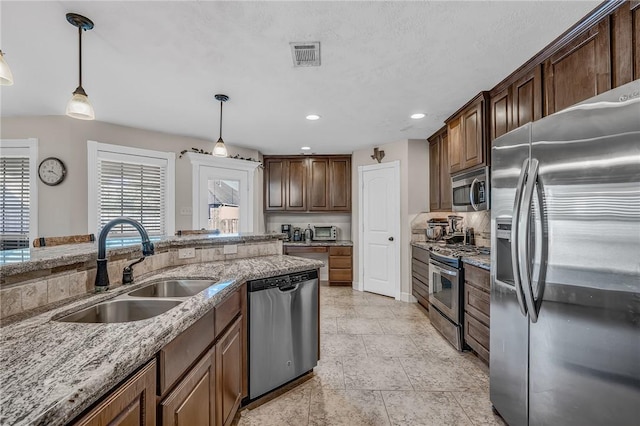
289,289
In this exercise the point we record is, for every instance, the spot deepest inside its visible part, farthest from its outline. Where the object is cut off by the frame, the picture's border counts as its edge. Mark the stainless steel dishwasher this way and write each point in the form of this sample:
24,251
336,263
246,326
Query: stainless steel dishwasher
283,329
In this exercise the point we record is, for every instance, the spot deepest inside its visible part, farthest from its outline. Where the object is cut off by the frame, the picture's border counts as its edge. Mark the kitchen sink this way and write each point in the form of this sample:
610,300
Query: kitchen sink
126,310
173,288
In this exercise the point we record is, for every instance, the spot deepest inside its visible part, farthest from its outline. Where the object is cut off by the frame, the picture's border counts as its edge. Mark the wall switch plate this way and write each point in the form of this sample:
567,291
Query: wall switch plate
231,249
185,211
186,253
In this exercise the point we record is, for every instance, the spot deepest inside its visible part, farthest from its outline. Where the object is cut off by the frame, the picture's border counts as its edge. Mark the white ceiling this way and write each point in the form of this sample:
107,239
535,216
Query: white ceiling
157,65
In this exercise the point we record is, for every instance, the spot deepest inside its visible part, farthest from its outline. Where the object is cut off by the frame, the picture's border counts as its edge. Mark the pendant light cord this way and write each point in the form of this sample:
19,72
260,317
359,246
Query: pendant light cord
221,119
80,56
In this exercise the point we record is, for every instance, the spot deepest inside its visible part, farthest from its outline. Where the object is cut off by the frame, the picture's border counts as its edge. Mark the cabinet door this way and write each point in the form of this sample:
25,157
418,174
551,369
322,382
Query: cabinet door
636,37
296,185
229,372
454,131
473,142
500,113
434,175
580,70
318,184
274,184
445,177
192,402
340,184
131,404
527,99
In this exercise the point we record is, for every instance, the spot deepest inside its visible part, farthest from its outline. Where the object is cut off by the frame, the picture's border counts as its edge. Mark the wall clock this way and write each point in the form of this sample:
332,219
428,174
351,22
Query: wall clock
52,171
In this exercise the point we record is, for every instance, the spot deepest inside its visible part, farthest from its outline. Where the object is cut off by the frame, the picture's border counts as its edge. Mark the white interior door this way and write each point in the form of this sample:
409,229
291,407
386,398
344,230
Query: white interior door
380,232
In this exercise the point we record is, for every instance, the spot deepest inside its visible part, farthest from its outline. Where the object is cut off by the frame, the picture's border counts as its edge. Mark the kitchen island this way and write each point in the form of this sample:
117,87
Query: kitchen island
52,371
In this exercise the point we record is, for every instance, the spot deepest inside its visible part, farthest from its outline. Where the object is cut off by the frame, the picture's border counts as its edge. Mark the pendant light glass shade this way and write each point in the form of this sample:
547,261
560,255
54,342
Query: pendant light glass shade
79,106
6,78
220,150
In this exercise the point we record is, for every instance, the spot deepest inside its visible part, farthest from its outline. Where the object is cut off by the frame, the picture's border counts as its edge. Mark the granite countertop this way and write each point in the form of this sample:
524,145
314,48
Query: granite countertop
480,260
19,261
337,243
51,371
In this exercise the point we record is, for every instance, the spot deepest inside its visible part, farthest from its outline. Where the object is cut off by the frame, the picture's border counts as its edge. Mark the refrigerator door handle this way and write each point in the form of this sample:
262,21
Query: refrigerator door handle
514,237
524,236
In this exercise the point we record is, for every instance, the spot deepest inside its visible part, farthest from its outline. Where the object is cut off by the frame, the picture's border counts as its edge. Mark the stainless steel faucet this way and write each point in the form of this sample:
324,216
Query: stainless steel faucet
102,276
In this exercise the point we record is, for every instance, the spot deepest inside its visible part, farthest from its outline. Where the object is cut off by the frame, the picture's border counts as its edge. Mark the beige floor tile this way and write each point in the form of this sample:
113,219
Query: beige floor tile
375,373
333,345
347,408
328,326
408,408
455,373
404,326
379,300
410,312
390,345
433,343
346,301
477,406
377,312
328,374
358,326
333,311
290,409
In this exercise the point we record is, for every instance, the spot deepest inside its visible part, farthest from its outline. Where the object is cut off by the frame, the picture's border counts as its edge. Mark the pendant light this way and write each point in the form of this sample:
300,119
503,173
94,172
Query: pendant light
219,150
79,105
6,78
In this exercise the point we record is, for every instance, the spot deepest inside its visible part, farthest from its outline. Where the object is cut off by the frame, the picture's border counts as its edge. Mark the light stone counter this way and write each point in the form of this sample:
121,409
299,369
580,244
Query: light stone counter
51,371
338,243
480,260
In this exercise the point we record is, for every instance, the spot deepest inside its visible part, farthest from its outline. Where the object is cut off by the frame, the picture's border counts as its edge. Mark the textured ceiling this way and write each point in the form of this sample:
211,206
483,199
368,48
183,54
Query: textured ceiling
157,65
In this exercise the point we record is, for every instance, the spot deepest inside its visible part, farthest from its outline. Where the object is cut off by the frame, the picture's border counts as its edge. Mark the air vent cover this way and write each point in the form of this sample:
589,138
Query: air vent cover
306,54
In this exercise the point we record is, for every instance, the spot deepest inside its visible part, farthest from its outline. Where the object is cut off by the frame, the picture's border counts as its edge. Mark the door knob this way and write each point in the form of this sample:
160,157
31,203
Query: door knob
390,238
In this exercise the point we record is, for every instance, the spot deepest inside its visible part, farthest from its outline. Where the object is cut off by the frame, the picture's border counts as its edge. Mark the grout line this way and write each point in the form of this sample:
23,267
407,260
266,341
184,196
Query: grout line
453,395
405,372
385,406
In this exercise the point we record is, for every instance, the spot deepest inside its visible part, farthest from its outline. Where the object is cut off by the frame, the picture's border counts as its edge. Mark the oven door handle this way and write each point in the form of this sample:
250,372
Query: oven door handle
443,271
472,196
515,258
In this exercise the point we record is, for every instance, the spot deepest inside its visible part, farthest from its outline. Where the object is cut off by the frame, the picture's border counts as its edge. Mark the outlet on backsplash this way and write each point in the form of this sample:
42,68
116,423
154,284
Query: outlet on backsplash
479,221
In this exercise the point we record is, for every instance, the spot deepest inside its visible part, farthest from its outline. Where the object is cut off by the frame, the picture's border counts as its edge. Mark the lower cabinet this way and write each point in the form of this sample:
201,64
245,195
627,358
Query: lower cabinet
477,299
131,404
340,266
229,372
193,401
420,275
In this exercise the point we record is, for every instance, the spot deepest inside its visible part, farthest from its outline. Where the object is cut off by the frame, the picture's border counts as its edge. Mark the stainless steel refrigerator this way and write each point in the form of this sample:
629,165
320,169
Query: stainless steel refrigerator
565,266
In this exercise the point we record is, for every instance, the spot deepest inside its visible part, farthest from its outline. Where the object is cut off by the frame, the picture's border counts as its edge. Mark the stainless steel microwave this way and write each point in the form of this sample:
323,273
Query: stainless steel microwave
470,190
325,233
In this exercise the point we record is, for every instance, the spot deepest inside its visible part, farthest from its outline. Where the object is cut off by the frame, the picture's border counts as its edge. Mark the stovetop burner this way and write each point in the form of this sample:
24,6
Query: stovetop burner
451,254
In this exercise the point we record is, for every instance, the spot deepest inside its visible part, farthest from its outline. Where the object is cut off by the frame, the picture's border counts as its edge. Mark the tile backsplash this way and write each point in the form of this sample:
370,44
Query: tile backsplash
479,221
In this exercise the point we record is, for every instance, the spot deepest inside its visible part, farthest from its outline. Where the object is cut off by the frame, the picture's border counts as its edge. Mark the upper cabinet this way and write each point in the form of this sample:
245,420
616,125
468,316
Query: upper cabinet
466,131
307,183
439,178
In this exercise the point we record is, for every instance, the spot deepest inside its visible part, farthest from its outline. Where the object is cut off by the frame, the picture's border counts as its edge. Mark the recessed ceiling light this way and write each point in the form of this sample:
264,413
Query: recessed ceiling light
313,117
418,116
305,148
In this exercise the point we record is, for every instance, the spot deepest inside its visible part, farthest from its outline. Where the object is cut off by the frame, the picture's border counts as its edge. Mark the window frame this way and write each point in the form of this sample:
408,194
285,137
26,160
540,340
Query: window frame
26,147
113,152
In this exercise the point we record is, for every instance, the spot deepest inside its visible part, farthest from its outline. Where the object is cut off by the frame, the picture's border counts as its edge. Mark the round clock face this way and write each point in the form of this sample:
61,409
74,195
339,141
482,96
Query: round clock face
52,171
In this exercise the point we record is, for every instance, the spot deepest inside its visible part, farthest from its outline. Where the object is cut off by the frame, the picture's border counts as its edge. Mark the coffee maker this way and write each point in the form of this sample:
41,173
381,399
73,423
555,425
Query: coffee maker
287,230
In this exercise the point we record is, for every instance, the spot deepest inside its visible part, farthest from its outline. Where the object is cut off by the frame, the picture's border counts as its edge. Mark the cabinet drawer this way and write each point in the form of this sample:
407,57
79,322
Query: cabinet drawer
476,335
181,352
421,254
340,275
339,251
477,302
420,269
340,262
293,250
227,310
477,276
421,288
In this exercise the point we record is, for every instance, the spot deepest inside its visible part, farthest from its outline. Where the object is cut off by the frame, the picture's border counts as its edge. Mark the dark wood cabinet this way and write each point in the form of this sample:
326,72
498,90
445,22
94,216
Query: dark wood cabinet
193,401
420,275
131,404
500,112
229,372
625,43
579,70
477,301
307,184
340,266
466,131
439,178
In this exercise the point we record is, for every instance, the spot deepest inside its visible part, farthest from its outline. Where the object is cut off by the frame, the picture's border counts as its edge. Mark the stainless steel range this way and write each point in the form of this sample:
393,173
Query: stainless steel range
446,278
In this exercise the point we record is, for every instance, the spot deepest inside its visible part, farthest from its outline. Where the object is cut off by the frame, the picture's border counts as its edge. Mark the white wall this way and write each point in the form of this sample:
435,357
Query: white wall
414,189
62,209
341,220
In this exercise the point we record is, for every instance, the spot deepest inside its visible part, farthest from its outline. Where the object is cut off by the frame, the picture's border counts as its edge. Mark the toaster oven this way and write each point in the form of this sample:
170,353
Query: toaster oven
325,233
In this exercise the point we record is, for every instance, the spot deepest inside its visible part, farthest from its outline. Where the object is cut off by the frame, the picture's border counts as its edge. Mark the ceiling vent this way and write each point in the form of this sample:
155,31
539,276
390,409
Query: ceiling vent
306,54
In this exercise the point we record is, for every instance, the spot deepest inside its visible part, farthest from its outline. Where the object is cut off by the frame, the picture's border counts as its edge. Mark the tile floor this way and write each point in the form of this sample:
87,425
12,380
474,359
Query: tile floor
382,363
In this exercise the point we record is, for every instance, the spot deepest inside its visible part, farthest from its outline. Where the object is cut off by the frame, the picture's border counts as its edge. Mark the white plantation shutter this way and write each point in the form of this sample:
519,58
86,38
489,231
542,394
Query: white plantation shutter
15,201
134,183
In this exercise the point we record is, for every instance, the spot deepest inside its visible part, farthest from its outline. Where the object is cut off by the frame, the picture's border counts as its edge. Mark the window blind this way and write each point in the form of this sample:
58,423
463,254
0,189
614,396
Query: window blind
14,202
137,191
